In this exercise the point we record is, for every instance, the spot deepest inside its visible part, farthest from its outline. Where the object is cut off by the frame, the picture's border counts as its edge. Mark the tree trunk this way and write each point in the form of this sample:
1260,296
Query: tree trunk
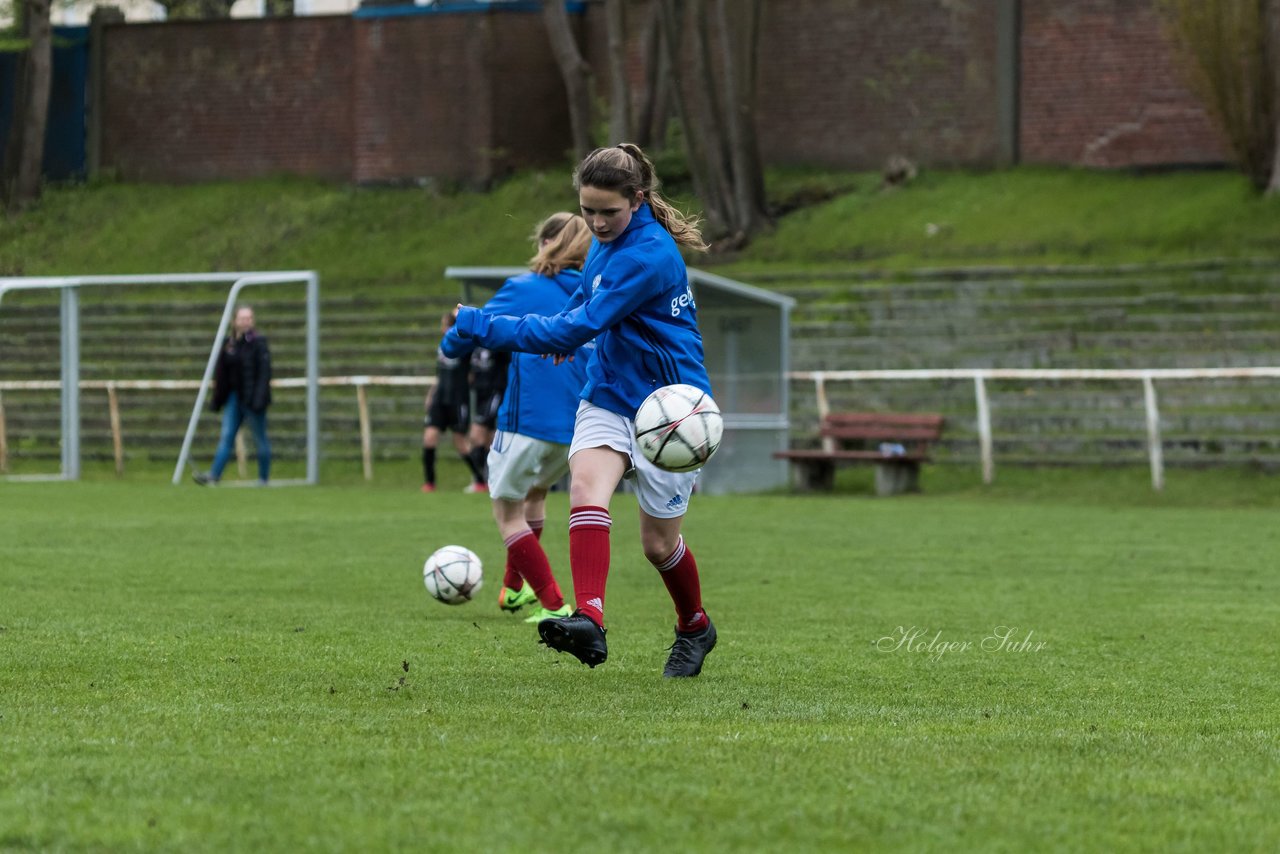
199,10
215,9
1271,22
740,51
650,123
24,161
619,91
695,153
708,116
717,112
576,74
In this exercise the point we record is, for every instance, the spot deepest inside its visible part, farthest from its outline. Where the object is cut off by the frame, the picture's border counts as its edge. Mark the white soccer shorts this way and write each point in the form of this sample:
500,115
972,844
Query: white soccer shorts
662,494
519,463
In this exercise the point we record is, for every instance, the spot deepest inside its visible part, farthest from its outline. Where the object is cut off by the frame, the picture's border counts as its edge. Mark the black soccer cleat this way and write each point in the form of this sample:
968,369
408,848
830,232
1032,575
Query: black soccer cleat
688,652
576,634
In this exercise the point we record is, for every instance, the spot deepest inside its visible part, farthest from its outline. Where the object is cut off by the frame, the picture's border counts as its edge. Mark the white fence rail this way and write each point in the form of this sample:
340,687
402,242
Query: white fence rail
980,376
820,379
112,387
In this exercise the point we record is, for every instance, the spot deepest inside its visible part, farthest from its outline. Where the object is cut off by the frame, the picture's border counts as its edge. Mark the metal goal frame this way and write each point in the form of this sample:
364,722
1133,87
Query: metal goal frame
69,347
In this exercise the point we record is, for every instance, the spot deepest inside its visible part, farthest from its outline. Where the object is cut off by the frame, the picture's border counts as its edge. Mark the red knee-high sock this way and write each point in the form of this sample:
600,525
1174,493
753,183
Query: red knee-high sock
511,578
525,553
679,572
589,557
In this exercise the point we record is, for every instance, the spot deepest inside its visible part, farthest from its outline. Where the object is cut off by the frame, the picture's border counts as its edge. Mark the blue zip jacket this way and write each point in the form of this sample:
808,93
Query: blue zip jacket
541,399
636,302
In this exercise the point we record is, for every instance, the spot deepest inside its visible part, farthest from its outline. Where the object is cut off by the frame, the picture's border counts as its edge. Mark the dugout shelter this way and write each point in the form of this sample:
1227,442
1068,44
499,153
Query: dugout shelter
746,341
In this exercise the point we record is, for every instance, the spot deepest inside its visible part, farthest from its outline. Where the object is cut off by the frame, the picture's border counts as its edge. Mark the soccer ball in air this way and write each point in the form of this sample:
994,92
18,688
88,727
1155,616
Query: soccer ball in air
678,427
453,575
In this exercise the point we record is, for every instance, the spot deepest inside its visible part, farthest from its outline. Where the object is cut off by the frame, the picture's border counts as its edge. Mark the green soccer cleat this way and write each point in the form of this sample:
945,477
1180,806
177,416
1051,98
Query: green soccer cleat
541,614
514,600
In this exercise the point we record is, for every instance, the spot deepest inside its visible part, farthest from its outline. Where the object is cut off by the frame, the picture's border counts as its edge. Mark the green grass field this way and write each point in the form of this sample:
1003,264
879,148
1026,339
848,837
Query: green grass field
240,669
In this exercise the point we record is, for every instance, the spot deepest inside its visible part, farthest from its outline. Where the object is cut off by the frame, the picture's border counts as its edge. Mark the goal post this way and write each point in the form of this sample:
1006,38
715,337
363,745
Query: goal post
312,365
69,348
69,353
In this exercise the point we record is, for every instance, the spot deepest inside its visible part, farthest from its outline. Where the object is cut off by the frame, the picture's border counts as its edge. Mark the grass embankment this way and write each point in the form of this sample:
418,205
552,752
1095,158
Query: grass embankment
402,239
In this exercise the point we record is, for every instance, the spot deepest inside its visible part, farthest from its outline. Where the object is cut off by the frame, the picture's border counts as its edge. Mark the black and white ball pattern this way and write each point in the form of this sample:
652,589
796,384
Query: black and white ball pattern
678,428
453,575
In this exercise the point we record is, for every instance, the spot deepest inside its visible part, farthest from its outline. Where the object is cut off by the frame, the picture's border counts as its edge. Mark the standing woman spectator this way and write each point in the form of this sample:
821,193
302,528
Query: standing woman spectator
242,392
635,301
535,422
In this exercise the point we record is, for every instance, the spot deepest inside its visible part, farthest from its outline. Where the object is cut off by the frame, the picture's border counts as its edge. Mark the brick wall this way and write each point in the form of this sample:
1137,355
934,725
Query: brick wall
421,90
228,99
529,108
847,84
1101,86
460,97
843,83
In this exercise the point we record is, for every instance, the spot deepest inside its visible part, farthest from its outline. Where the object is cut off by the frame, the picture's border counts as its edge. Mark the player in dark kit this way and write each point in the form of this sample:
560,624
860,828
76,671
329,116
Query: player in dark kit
489,382
530,450
448,408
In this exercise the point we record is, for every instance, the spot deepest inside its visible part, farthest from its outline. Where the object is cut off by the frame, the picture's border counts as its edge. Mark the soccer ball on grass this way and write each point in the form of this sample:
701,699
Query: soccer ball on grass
678,427
453,575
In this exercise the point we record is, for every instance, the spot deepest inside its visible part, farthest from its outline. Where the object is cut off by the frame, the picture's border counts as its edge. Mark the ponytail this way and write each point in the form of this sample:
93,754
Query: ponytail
625,169
562,241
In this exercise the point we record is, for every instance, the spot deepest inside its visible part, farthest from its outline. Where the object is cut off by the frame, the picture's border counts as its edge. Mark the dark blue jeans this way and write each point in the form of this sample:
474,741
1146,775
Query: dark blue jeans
233,415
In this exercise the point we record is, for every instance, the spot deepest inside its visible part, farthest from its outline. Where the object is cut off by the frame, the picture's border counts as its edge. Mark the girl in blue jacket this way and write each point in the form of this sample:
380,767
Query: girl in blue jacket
529,452
636,303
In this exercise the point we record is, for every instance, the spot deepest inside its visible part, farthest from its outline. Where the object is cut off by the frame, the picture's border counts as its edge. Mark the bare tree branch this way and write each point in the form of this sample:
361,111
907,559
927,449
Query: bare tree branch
695,153
24,159
1225,45
619,91
653,110
1271,19
739,34
576,74
176,10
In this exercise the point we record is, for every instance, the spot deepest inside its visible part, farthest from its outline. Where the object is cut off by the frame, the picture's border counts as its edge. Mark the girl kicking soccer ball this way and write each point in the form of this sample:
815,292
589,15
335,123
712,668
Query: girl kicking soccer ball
635,302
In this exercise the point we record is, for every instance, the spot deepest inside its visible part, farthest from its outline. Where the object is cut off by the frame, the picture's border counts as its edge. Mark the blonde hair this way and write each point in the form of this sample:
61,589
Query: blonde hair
626,170
561,240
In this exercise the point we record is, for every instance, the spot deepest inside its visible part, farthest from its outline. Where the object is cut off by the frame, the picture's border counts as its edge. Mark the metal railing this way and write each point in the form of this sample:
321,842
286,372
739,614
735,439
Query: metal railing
361,384
820,379
980,377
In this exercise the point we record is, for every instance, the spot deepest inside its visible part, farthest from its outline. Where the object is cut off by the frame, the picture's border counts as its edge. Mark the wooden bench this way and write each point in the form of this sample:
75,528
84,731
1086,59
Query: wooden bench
895,443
